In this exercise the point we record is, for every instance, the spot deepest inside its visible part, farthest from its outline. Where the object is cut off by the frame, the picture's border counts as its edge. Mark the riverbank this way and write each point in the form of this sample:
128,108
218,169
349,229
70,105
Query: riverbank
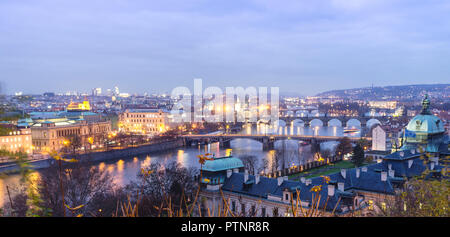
102,155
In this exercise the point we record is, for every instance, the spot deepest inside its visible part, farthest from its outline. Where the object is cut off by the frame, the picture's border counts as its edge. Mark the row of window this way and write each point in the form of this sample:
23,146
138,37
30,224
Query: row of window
16,139
145,120
67,132
143,115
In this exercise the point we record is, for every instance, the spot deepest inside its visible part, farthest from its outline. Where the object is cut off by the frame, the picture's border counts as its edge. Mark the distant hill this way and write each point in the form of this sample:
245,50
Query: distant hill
391,92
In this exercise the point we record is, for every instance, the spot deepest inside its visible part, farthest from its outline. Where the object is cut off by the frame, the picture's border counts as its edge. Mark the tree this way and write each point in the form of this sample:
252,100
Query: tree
315,149
425,195
167,185
74,142
82,183
358,155
420,198
364,143
344,147
250,163
325,153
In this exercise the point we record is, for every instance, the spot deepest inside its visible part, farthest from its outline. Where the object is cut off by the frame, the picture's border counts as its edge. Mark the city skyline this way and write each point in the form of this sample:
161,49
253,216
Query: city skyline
300,46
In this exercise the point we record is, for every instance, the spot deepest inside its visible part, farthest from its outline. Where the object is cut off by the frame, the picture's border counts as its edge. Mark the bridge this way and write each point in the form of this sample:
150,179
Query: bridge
267,140
341,121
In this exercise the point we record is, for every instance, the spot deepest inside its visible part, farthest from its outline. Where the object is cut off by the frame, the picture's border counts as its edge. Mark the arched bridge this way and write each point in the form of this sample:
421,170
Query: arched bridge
267,140
324,121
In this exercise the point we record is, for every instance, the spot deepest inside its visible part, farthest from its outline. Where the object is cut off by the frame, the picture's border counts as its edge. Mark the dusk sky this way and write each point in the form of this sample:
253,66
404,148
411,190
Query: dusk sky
301,46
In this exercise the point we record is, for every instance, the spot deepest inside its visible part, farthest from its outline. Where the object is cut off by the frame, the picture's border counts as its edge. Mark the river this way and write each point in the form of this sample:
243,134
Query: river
125,170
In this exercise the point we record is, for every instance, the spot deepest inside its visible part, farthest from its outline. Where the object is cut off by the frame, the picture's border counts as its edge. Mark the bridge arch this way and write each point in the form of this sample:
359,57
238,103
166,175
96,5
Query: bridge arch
297,123
314,113
316,123
334,123
279,123
289,113
301,113
353,123
371,122
263,121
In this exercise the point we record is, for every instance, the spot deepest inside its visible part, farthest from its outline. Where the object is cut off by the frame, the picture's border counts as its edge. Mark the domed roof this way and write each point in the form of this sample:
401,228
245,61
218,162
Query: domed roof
425,122
222,163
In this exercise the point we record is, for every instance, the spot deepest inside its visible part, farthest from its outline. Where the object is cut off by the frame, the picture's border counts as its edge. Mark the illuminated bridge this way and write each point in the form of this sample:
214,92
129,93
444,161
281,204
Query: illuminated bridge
267,140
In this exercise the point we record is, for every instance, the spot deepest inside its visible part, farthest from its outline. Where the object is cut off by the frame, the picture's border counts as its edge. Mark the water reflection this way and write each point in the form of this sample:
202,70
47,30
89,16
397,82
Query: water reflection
126,169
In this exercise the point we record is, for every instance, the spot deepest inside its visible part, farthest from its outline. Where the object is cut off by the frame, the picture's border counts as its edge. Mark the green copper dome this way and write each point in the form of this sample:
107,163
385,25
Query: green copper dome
222,163
425,122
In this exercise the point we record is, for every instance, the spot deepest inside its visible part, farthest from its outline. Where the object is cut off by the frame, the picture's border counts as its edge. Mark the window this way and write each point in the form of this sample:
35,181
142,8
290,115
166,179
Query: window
233,206
370,205
263,212
243,208
275,212
253,210
286,196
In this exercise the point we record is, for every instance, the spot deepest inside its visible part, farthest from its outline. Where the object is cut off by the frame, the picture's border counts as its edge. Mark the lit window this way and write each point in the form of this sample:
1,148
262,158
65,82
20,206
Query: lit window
370,205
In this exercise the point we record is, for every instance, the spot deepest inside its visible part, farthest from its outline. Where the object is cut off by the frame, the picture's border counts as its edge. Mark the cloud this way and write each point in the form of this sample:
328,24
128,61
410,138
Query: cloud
297,45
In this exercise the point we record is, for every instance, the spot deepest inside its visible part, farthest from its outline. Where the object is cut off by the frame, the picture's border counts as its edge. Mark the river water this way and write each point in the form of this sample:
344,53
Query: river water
126,169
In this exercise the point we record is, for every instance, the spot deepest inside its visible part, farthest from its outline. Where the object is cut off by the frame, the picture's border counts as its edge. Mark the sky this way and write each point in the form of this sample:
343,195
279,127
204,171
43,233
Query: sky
300,46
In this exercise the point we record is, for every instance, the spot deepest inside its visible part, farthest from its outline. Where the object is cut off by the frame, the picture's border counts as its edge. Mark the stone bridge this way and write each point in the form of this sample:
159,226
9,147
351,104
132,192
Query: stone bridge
341,121
267,140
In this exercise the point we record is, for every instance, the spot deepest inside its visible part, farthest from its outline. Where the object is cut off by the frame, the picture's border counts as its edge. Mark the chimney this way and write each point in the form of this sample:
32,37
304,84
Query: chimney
410,163
435,160
303,179
256,178
358,173
235,170
280,180
383,176
285,178
341,186
391,173
308,182
364,169
330,190
245,176
343,173
229,172
432,166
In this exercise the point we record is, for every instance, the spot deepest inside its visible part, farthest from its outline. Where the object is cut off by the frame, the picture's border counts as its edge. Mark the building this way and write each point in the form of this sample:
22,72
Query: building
76,107
51,131
367,189
53,134
17,140
425,130
378,138
383,104
144,121
97,91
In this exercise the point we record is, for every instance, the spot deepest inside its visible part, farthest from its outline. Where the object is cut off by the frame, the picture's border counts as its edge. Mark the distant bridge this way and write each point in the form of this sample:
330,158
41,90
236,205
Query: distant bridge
341,121
267,140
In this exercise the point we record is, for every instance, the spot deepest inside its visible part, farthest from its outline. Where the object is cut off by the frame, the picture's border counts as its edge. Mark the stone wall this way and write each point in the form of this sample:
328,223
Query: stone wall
104,155
131,151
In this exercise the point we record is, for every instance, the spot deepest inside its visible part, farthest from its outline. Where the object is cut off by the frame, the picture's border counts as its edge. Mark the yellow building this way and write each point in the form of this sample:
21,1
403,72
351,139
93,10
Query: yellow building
383,104
74,106
144,121
15,141
50,135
